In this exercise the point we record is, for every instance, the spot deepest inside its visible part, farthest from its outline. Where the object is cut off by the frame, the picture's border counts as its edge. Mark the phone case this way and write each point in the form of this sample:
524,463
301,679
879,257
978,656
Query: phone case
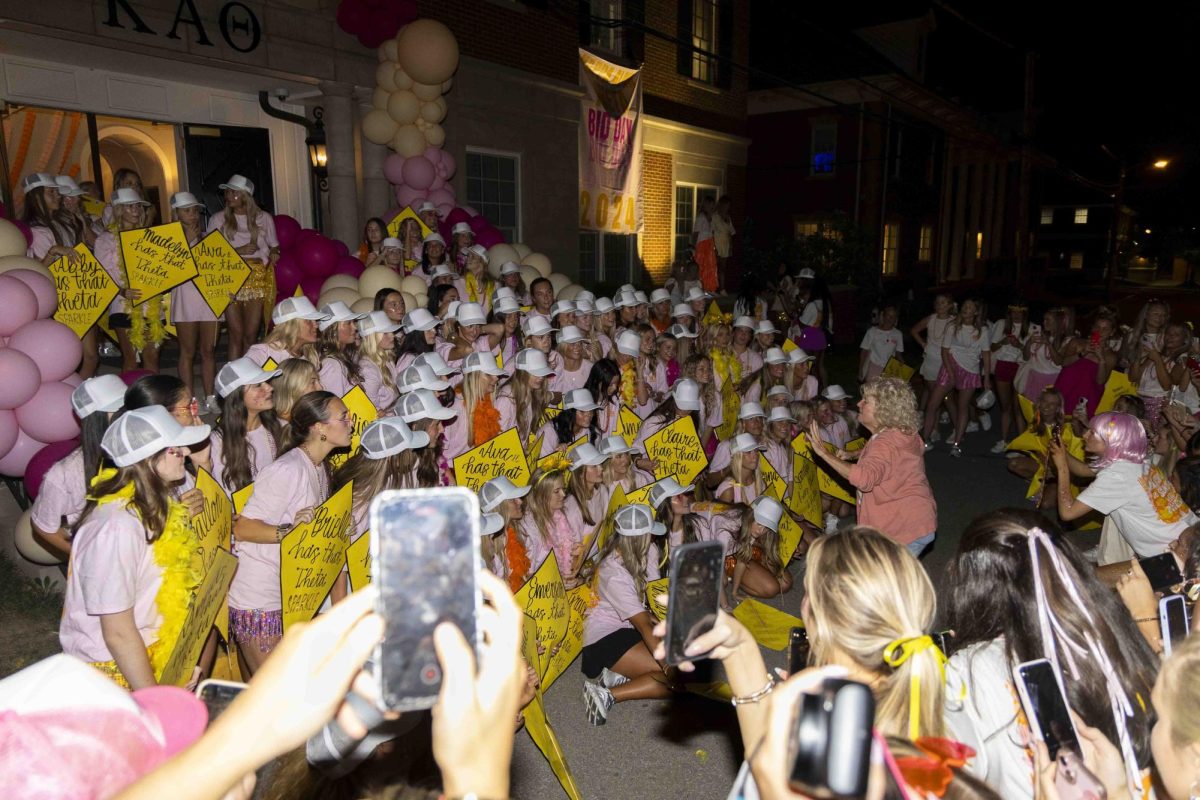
1030,707
1164,620
1074,781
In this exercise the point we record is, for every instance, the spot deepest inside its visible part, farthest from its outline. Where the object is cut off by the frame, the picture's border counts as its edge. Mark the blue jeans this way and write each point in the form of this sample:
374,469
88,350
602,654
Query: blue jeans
917,546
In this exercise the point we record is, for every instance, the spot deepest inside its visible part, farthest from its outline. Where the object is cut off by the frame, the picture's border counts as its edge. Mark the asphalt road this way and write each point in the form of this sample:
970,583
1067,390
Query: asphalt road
689,746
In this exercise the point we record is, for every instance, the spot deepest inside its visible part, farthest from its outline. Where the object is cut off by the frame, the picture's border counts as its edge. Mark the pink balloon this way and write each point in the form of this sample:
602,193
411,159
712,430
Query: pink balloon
489,237
438,183
48,416
132,376
311,284
456,216
18,458
42,461
433,154
448,167
478,223
73,379
317,257
418,172
42,287
305,235
52,345
19,302
286,230
407,195
25,231
441,197
348,265
470,211
393,168
8,431
21,378
341,248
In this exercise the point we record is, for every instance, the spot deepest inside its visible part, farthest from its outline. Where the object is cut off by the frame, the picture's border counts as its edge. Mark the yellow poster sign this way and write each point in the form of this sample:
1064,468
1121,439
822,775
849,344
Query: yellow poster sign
641,494
772,482
358,561
896,368
770,627
363,413
579,601
730,404
805,499
544,598
221,271
832,485
713,315
500,455
628,425
790,534
312,556
270,365
604,529
677,450
241,497
788,346
535,451
84,291
202,612
653,590
393,227
214,532
1118,385
157,259
540,730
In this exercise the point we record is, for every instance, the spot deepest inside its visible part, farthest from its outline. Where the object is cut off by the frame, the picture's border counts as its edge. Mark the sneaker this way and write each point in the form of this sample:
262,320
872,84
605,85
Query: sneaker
610,679
986,422
944,419
108,349
936,436
999,447
831,523
929,444
955,450
597,701
972,427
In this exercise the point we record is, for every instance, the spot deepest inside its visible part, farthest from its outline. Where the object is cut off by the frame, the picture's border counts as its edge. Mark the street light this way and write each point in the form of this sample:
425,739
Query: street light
1162,163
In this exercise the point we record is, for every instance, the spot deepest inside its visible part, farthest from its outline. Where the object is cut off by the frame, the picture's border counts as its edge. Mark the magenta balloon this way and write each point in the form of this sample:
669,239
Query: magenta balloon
471,212
17,459
444,229
441,197
26,231
48,416
418,172
317,257
3,211
406,10
42,461
456,216
372,39
408,195
305,235
8,431
386,19
489,237
348,265
341,248
21,378
42,287
352,16
131,376
393,168
286,229
287,274
478,223
311,284
52,345
19,302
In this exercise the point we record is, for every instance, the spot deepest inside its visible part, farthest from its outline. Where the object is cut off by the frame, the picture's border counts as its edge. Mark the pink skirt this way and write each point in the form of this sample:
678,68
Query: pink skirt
961,379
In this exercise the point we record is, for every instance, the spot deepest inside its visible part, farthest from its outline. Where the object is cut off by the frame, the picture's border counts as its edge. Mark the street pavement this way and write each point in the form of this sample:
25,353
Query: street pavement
689,746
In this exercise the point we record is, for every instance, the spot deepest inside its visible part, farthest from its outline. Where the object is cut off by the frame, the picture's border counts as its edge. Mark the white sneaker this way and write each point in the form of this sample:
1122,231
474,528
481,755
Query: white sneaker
936,436
999,447
610,679
972,427
929,444
831,523
986,422
597,701
955,450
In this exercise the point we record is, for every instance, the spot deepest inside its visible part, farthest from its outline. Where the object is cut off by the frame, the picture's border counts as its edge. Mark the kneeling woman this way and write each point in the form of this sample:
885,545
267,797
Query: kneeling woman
618,636
131,560
753,563
286,494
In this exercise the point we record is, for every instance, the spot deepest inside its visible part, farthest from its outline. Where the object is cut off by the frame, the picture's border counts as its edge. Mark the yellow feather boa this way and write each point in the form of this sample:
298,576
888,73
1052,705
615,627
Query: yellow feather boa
629,385
173,552
726,364
137,313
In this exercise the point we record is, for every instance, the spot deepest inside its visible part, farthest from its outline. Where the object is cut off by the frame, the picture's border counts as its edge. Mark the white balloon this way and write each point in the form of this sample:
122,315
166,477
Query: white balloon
339,293
568,292
21,262
529,275
377,277
387,50
363,305
385,76
413,285
539,262
340,282
410,300
558,281
498,254
422,301
12,241
29,547
523,250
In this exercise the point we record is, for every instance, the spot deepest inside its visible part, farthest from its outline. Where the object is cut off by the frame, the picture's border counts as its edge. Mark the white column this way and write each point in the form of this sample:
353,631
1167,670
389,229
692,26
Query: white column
342,220
377,196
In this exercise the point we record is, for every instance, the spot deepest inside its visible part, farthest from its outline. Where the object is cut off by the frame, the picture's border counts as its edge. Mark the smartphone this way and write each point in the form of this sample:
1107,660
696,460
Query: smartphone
833,740
694,596
1172,620
1162,571
1045,701
1034,329
425,563
217,695
1074,781
798,648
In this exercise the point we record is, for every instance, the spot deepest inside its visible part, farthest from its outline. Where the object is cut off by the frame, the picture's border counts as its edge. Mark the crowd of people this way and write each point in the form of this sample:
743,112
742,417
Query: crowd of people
487,355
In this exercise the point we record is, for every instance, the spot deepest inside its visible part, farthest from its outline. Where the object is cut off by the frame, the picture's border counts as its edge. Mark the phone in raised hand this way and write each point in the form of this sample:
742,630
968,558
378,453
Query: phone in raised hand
1172,621
693,596
1045,701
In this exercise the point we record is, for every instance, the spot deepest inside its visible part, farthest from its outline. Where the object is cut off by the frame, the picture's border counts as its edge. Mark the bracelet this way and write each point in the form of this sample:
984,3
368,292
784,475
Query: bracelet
281,531
1145,619
756,696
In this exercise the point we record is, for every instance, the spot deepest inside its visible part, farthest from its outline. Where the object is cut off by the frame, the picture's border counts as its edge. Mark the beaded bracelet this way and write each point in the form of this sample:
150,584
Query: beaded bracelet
756,696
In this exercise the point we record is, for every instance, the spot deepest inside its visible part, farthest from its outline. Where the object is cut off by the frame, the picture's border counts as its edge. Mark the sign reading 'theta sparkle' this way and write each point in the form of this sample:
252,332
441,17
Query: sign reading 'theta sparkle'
610,146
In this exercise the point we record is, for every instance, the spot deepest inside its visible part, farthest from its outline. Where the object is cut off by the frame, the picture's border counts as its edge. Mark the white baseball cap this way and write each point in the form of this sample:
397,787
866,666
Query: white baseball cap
687,395
586,455
490,523
750,410
461,227
696,293
391,243
660,296
419,319
767,512
434,238
584,306
637,519
139,434
629,343
780,414
624,300
377,322
682,332
603,306
421,404
180,200
779,390
470,314
744,322
775,355
102,393
479,250
481,362
534,362
666,488
442,271
436,363
642,299
506,305
420,376
127,196
388,436
536,325
239,183
562,307
336,312
765,326
571,334
799,356
67,187
242,372
584,296
38,180
744,443
452,311
682,310
614,444
580,400
807,274
834,392
497,490
509,267
291,308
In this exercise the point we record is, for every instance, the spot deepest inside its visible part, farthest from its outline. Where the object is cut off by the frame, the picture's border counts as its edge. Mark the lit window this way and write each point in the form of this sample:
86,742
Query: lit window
891,249
925,246
704,40
1077,258
687,204
807,229
1081,216
493,189
1047,215
605,32
978,245
823,158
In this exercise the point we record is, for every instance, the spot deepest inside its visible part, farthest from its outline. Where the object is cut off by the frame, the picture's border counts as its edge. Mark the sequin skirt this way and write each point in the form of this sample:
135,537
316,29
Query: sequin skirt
254,624
261,283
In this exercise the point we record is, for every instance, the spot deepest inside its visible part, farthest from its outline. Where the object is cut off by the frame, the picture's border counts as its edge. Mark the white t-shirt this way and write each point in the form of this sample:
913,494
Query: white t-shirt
702,227
1009,352
882,344
811,312
966,348
1124,491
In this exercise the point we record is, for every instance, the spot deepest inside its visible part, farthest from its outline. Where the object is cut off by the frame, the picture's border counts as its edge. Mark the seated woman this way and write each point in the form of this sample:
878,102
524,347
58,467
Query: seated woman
297,377
506,557
744,482
294,334
751,420
752,563
550,527
577,419
619,469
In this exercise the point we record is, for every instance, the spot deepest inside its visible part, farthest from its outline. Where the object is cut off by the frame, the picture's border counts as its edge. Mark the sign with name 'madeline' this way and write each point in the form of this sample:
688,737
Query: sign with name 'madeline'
193,21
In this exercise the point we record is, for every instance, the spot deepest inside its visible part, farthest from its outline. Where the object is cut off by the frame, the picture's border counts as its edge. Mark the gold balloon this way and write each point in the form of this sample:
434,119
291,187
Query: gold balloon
378,126
404,107
385,76
427,50
435,135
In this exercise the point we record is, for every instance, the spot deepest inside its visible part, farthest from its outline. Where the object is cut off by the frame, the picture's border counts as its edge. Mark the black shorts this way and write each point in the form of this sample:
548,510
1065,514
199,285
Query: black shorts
119,320
608,651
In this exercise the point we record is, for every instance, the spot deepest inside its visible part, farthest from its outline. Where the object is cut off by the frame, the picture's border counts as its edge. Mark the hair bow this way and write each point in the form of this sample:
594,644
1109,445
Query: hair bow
932,772
901,650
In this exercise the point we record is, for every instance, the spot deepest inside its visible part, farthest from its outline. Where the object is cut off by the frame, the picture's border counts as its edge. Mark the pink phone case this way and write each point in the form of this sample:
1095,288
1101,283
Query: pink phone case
1074,781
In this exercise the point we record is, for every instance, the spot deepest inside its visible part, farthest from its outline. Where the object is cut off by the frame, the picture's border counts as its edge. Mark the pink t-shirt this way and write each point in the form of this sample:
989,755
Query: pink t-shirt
893,493
266,233
741,494
43,240
112,570
720,458
379,393
106,253
454,432
63,495
751,361
565,531
618,598
503,403
289,484
565,380
259,352
334,378
262,452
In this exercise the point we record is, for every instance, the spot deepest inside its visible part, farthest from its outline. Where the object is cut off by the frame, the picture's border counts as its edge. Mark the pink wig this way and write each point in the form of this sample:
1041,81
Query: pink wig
1124,436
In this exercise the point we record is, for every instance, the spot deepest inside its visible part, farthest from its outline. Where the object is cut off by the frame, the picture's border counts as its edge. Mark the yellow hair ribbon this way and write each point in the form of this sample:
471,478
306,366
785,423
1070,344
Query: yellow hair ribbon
557,467
901,650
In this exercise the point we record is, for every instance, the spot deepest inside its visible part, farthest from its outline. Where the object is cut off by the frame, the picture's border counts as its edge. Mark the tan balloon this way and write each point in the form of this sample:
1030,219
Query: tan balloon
413,285
29,547
435,134
568,292
387,50
529,275
385,76
380,97
363,305
404,107
340,282
379,127
428,51
377,277
539,262
434,111
339,294
409,141
559,282
403,81
421,124
427,92
523,250
498,254
21,262
12,241
410,299
446,84
422,300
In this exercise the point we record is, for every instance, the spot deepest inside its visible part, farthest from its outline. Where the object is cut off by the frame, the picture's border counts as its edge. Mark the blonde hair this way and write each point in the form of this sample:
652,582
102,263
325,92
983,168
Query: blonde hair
802,410
582,493
633,552
291,384
1180,683
895,404
472,393
538,507
708,391
609,475
866,592
371,350
738,471
286,336
530,403
768,541
230,227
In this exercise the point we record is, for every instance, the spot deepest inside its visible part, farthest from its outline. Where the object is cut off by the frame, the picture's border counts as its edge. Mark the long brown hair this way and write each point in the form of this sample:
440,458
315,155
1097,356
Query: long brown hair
151,496
238,466
344,354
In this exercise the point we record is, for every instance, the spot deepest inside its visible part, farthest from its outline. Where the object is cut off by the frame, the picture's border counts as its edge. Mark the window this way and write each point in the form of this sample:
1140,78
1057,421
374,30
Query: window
823,158
1047,215
493,189
925,246
1077,258
807,229
704,40
891,249
687,203
605,32
1081,216
606,257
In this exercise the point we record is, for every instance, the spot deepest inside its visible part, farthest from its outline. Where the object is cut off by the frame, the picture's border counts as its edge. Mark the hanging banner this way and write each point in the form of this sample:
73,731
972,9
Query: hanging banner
221,271
610,146
84,291
157,259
